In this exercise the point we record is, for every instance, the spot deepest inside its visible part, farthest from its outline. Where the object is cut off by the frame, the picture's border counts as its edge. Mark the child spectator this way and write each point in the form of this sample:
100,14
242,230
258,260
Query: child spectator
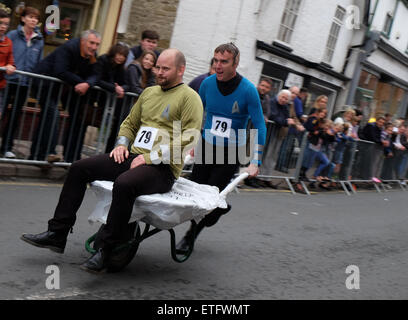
6,55
317,135
386,136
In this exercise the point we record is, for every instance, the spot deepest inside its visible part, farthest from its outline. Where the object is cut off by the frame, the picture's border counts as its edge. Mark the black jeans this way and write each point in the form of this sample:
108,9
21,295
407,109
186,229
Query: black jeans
218,175
128,184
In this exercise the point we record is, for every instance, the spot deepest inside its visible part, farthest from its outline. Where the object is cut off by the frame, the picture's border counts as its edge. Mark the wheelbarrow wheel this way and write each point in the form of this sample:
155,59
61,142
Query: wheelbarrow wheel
122,255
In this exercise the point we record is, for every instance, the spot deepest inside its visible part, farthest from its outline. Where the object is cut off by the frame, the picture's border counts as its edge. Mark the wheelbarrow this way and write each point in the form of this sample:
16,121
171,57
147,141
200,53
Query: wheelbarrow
187,201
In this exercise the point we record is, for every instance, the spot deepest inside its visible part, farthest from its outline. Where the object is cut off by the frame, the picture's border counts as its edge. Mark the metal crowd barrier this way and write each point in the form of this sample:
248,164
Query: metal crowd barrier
43,116
365,160
362,160
44,120
283,155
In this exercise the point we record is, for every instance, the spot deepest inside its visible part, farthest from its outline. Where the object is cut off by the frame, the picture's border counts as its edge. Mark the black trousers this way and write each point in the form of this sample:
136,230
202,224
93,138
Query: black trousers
128,184
214,174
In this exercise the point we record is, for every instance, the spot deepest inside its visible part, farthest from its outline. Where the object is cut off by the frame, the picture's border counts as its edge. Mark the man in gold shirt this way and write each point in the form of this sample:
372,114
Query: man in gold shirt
162,126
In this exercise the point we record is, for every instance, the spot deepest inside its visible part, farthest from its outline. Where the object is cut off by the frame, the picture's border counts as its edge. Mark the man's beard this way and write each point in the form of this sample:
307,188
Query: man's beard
163,82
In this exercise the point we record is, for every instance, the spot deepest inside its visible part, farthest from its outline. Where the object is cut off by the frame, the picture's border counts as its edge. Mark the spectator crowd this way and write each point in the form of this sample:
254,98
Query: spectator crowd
124,69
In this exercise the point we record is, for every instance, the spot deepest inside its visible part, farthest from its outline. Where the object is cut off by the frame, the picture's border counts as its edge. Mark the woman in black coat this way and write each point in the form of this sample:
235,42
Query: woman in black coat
111,72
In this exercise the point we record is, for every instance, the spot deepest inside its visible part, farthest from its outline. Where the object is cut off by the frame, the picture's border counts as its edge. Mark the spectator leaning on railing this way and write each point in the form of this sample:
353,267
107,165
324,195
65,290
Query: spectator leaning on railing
279,114
372,132
112,78
73,63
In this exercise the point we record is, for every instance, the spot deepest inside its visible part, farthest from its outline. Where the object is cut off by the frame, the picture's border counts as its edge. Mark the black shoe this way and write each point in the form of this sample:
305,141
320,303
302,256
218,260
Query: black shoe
185,244
96,263
212,218
324,185
267,184
252,183
55,241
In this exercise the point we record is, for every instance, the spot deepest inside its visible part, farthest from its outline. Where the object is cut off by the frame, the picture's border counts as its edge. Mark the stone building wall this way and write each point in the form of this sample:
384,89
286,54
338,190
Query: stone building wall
158,15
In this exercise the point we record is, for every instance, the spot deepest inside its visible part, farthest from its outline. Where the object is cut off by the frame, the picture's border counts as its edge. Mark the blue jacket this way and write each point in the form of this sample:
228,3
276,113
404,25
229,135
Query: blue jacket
196,82
25,57
67,64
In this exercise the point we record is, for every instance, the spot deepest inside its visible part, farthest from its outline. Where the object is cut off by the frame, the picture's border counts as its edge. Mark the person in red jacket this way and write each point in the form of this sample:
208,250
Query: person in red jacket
6,54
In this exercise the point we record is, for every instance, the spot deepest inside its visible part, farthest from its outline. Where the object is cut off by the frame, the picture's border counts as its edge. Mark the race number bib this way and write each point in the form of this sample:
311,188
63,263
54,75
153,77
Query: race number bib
221,127
145,138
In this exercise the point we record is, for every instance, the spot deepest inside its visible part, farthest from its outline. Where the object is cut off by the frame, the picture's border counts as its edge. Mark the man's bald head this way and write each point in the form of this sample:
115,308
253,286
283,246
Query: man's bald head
177,55
170,68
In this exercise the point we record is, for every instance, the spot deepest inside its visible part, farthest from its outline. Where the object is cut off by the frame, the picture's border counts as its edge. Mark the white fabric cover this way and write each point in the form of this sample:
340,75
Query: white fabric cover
186,201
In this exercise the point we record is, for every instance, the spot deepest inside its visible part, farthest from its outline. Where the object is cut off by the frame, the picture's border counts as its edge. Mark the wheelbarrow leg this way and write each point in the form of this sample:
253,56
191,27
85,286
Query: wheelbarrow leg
183,255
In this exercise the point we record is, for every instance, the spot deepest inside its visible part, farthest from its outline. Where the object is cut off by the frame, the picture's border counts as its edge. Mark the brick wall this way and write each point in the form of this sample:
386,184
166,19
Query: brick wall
158,15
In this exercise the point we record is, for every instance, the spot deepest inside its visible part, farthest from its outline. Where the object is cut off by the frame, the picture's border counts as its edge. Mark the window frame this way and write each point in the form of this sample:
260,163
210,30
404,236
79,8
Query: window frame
334,32
288,21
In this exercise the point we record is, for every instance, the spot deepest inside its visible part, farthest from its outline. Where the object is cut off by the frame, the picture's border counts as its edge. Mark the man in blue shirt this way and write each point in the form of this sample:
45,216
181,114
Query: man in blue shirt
229,100
196,82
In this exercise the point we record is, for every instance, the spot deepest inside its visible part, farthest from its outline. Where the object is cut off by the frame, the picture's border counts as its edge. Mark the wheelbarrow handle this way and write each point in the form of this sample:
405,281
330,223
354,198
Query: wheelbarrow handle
231,186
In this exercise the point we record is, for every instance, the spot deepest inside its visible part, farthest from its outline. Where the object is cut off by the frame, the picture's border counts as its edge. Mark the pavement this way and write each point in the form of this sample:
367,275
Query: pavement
18,172
271,246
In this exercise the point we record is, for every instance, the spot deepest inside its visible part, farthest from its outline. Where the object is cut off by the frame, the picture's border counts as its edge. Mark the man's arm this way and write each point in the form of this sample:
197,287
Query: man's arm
62,67
10,66
256,114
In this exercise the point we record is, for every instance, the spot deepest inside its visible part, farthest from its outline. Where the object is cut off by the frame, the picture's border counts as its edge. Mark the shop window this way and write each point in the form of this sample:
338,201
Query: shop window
288,21
334,34
74,18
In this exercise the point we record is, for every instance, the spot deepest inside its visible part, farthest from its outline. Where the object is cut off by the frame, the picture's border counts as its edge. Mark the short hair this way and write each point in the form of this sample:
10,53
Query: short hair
285,91
32,11
231,48
4,14
381,118
303,89
85,34
150,34
119,48
180,59
267,80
